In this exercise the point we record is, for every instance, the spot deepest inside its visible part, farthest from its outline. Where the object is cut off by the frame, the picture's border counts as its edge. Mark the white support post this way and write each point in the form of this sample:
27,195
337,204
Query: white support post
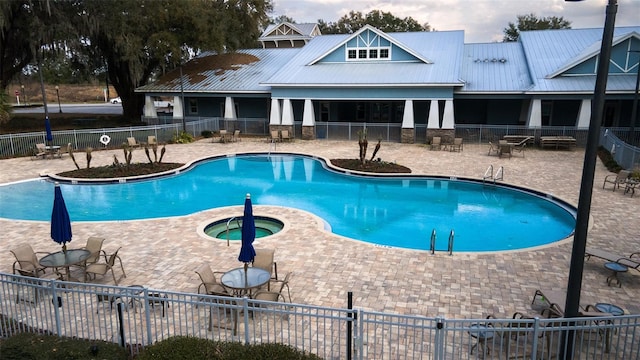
308,116
408,121
287,112
274,116
149,108
434,116
535,114
448,119
229,108
585,114
178,110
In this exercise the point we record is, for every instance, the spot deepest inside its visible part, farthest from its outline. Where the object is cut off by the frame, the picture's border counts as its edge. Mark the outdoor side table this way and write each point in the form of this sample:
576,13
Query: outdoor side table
481,333
615,268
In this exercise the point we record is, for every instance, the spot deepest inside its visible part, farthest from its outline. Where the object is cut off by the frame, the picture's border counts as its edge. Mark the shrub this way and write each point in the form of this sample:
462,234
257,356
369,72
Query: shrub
206,133
35,346
182,347
183,138
607,159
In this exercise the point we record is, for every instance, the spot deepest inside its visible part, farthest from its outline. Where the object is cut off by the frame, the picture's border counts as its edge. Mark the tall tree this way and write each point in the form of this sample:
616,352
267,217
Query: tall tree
531,22
137,38
384,21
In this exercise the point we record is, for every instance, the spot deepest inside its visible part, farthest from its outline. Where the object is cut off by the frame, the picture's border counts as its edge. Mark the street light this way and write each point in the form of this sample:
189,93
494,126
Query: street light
58,95
24,95
576,268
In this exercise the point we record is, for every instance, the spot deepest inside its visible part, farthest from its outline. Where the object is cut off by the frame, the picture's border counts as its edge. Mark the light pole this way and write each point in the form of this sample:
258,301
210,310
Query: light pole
58,95
24,95
576,268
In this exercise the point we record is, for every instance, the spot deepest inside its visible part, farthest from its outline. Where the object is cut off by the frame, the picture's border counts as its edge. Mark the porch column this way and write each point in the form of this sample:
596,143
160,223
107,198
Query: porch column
308,121
535,114
229,108
178,111
274,116
448,121
287,112
407,134
585,114
149,108
434,116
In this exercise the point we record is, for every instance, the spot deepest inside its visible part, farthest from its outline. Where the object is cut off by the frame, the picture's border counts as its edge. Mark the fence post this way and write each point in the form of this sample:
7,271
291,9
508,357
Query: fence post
349,324
120,324
439,339
57,304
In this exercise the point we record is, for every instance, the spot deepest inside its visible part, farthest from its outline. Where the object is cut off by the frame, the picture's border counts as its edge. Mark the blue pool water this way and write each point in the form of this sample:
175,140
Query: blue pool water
399,212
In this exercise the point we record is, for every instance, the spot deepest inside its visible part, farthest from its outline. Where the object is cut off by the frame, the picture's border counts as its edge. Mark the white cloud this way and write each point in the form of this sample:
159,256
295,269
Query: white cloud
482,20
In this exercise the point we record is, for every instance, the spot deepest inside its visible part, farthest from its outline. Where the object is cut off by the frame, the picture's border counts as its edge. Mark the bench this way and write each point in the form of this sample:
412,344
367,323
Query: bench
558,142
516,139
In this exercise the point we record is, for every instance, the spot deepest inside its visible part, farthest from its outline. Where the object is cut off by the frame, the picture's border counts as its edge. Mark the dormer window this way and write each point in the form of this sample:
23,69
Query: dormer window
368,46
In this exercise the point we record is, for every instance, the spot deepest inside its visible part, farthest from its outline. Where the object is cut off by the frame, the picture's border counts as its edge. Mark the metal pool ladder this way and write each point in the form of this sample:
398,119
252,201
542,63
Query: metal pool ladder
237,219
488,175
432,245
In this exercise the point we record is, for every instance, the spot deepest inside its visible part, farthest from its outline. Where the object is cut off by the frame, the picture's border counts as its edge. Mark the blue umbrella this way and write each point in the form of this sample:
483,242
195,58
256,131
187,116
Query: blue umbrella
247,253
60,222
47,127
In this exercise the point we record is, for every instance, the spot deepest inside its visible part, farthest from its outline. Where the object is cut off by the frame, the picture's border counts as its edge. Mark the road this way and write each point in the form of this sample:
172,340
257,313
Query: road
111,109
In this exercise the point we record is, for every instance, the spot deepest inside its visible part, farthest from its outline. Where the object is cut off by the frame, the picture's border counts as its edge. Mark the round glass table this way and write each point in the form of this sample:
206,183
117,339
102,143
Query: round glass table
65,259
241,282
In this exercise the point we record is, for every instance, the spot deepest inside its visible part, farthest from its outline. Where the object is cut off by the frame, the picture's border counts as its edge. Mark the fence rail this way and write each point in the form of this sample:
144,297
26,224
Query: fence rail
166,128
135,317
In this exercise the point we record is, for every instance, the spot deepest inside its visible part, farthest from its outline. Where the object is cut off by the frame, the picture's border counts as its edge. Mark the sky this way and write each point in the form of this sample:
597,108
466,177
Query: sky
481,20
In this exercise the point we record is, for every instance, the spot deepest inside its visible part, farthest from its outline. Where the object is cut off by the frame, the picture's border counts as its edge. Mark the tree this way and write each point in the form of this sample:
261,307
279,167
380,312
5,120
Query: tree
138,38
531,22
387,22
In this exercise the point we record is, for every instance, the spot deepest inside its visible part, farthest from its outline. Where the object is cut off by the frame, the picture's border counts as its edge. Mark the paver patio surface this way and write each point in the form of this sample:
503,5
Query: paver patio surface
163,253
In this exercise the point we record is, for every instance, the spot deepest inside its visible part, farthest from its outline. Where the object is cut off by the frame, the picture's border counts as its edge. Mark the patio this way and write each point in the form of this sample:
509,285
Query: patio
163,254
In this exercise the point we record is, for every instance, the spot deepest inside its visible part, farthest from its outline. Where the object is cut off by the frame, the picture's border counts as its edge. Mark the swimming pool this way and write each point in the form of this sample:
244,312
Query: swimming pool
399,211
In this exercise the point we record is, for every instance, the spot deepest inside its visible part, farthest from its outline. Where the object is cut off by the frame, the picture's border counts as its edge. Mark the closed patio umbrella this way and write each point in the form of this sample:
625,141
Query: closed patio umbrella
47,127
60,221
247,252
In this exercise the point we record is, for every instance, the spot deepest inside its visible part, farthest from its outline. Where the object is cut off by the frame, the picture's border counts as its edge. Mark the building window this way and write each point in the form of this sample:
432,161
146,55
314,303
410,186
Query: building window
362,54
373,54
193,106
351,54
384,53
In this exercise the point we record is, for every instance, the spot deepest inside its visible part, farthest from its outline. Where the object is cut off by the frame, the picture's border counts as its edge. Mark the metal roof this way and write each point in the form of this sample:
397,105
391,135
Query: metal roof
494,67
235,78
444,49
548,51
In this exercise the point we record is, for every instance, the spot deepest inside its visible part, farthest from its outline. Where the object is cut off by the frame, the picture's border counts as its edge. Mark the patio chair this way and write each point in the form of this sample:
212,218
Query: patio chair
151,140
65,149
284,135
275,136
264,260
505,150
131,141
236,136
102,268
617,179
628,261
457,145
209,282
436,143
94,245
493,149
515,337
27,262
276,291
41,151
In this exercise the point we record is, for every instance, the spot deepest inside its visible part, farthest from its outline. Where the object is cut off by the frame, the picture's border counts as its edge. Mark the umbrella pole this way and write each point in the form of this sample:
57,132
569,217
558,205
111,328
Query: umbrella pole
246,279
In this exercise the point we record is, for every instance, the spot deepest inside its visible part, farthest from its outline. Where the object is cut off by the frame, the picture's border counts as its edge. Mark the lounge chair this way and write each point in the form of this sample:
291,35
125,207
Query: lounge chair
515,337
264,260
618,179
436,143
209,282
284,135
131,142
627,261
27,262
102,268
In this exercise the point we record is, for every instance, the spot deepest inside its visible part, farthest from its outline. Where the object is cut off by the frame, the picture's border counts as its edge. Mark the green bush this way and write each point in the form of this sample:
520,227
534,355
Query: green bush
191,348
51,347
206,133
183,138
607,159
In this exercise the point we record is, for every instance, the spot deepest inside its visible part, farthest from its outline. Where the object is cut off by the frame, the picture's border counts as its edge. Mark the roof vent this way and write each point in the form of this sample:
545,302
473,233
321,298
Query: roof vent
494,60
503,60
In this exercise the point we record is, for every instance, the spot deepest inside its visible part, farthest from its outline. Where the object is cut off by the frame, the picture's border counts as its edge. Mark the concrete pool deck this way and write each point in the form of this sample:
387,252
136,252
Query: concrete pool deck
164,253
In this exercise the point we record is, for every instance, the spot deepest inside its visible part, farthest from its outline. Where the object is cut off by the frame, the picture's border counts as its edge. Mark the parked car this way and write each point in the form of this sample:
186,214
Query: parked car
116,100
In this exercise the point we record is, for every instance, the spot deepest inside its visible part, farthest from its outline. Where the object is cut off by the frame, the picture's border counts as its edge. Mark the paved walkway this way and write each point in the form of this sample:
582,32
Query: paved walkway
163,253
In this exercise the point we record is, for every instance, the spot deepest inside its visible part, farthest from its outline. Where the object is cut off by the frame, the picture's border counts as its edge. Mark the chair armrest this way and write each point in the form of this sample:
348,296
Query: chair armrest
635,254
